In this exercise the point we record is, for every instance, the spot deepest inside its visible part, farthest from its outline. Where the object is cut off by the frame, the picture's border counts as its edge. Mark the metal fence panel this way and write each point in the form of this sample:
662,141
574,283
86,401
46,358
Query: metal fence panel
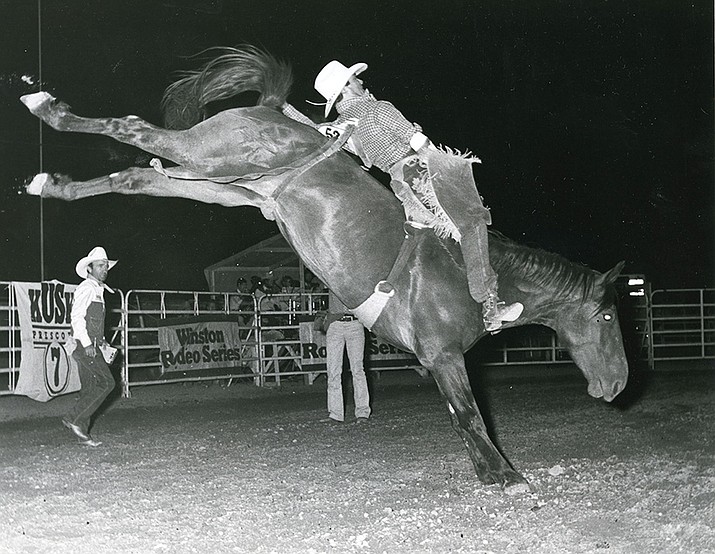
9,339
144,309
677,324
683,324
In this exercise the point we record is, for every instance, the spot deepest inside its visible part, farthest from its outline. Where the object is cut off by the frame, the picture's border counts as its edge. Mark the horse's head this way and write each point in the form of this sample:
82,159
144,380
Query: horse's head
590,330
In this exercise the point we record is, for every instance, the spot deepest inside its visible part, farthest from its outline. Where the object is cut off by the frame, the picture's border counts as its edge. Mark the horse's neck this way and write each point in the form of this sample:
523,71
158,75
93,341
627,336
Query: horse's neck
544,282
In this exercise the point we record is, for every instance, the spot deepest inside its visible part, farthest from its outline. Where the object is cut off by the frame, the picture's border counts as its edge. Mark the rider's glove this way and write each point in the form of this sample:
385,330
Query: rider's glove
418,141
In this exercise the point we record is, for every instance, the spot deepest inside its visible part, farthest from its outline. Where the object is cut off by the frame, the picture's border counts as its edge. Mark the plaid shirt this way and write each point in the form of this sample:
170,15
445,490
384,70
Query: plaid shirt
383,132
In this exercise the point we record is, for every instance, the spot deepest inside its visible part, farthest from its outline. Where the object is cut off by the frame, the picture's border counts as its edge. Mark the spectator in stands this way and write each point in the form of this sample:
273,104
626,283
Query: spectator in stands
258,289
289,285
214,303
256,283
271,286
261,293
88,331
288,295
242,301
344,331
241,285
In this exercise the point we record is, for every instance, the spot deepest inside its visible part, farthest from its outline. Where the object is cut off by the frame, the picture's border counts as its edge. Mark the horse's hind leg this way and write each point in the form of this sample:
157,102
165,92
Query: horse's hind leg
142,181
130,130
491,467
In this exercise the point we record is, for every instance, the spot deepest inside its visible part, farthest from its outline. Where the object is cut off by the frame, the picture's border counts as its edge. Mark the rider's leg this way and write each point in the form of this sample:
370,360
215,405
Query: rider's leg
415,211
480,274
454,188
483,280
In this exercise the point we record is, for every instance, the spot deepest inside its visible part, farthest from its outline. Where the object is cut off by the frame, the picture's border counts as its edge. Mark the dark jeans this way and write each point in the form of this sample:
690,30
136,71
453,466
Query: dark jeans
97,382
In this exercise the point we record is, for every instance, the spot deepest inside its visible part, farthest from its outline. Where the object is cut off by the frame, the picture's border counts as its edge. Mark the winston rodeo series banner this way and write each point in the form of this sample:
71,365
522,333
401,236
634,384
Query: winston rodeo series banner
312,347
199,342
46,368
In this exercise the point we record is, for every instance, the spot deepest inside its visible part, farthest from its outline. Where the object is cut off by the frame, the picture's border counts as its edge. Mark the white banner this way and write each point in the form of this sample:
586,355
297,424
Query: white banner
199,342
312,348
46,368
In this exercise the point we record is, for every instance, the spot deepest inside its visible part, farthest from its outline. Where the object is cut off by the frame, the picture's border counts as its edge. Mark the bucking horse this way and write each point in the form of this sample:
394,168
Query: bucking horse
350,231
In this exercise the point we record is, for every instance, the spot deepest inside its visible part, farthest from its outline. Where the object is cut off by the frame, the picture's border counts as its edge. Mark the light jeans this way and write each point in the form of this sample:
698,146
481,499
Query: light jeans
350,335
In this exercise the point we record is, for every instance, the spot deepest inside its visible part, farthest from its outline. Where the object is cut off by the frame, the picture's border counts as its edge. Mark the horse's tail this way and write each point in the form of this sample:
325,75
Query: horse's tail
232,72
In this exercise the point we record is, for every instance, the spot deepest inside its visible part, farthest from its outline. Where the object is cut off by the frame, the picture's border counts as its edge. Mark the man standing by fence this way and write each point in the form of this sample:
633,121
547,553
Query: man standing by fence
344,331
88,330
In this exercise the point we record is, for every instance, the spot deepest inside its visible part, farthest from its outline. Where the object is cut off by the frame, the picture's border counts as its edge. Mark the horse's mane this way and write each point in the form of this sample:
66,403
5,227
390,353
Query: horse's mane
232,71
548,270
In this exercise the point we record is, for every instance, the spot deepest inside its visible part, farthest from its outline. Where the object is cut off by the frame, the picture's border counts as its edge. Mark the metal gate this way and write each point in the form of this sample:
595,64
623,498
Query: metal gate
683,324
144,310
9,339
271,348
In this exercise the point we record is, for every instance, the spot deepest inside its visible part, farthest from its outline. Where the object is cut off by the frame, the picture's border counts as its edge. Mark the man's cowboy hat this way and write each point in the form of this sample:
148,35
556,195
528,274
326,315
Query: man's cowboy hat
332,78
96,254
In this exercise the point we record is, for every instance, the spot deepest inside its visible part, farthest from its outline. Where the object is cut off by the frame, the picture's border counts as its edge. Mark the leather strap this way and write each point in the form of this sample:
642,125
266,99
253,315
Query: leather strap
409,243
323,154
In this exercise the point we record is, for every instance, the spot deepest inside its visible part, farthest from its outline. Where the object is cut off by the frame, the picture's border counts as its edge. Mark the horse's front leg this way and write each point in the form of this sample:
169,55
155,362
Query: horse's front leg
450,374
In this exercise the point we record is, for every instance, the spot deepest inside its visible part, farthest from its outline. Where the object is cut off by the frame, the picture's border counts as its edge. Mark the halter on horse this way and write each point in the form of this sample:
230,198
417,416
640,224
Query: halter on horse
348,229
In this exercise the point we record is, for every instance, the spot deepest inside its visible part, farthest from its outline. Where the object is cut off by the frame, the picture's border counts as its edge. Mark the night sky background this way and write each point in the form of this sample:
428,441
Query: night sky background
593,119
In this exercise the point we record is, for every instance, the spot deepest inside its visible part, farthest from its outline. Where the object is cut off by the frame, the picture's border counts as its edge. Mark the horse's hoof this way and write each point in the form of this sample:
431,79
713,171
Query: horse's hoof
38,183
36,100
514,489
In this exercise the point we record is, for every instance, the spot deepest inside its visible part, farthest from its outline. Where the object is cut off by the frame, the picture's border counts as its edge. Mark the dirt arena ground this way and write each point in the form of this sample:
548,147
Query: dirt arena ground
197,468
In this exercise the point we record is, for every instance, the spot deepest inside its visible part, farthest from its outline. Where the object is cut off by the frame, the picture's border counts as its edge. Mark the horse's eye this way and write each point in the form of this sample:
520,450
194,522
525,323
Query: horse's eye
607,317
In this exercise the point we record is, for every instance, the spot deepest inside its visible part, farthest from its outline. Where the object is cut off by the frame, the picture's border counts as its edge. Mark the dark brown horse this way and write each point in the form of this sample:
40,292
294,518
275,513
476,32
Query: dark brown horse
348,229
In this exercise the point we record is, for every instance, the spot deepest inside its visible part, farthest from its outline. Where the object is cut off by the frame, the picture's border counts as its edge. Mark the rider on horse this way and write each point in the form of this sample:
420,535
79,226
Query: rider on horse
381,136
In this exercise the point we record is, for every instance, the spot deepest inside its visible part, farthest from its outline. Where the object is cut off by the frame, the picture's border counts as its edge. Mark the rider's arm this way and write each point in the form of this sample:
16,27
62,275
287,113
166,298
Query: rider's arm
390,118
330,129
289,111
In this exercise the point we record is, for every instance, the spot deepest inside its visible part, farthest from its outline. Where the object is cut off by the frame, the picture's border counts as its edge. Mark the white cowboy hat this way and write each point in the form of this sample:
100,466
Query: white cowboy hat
96,254
332,78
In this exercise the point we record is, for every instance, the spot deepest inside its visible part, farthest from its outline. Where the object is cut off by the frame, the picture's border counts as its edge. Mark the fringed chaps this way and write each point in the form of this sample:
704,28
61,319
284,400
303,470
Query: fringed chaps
437,190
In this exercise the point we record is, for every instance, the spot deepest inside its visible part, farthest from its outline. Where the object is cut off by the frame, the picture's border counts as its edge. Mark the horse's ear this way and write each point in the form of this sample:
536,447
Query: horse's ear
611,275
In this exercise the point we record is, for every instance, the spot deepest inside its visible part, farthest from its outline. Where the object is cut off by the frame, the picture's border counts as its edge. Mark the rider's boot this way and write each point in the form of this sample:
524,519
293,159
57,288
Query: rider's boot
494,312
